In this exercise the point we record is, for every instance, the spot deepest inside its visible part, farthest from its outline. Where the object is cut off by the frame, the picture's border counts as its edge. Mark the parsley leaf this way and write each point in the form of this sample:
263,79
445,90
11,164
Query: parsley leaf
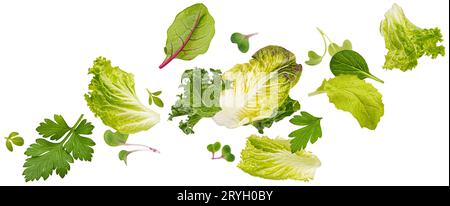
310,133
53,129
47,156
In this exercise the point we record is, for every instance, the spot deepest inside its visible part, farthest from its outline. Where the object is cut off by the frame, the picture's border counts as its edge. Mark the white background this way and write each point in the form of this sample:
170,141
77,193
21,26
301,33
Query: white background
46,48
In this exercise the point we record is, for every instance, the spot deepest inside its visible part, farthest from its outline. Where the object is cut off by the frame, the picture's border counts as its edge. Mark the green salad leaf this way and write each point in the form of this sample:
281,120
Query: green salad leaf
13,139
115,139
112,98
351,94
226,152
200,97
352,63
289,107
242,41
153,97
258,88
406,42
190,34
46,156
272,159
311,131
333,48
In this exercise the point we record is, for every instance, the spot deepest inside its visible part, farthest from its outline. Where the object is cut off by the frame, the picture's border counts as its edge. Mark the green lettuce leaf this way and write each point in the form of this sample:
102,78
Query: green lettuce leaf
289,107
112,98
406,42
272,159
257,88
351,94
200,97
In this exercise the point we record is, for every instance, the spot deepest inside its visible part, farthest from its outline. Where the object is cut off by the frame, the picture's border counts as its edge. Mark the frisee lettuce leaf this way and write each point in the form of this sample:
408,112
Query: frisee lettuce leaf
406,42
112,98
272,159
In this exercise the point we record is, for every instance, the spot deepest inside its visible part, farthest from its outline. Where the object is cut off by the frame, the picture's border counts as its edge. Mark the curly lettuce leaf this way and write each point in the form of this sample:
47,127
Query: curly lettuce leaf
200,97
289,107
406,42
257,88
112,98
272,159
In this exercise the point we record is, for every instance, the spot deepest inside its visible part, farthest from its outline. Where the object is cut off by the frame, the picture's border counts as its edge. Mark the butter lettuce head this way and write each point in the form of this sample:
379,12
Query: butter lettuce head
112,98
406,42
272,159
257,88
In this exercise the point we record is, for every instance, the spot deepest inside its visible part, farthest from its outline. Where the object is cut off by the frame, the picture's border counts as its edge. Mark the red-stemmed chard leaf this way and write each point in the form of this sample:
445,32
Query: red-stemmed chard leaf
189,35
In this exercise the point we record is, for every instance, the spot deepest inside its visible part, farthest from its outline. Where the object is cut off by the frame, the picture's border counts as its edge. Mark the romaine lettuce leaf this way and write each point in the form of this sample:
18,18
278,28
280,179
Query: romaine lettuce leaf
407,42
272,159
112,98
257,88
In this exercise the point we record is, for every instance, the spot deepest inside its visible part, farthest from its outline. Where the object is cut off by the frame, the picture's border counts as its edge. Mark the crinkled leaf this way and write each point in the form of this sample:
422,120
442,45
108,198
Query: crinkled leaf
200,97
406,42
257,88
288,108
272,159
112,98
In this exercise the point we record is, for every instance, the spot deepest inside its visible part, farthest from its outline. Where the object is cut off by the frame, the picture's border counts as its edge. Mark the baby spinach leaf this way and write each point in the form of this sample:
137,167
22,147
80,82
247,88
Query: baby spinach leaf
352,63
189,35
